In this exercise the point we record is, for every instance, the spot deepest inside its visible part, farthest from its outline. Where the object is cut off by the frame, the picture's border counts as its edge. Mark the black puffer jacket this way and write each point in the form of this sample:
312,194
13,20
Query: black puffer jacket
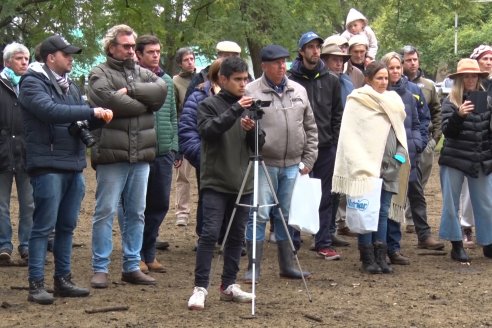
467,140
12,145
323,90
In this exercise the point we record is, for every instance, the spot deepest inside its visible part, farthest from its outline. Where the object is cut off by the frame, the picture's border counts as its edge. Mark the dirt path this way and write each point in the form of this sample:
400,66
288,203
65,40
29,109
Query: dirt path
432,292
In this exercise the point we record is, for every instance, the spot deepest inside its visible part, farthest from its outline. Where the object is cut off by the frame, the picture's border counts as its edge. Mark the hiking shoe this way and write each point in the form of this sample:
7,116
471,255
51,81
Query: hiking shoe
339,241
328,254
137,278
197,299
398,259
430,243
410,228
38,293
234,293
64,287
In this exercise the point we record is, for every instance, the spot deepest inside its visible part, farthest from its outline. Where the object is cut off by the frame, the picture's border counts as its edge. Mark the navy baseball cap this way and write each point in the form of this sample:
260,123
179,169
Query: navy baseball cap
308,37
273,52
56,43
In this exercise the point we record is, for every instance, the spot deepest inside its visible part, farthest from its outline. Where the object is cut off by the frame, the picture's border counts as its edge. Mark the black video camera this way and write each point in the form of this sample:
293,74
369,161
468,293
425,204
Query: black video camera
81,129
256,108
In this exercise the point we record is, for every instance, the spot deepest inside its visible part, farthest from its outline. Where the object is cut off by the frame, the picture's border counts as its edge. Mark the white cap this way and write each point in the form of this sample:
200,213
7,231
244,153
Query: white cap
358,39
228,46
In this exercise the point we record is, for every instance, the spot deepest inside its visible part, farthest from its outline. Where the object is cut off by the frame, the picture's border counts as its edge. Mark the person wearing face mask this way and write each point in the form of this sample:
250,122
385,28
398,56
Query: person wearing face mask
12,155
466,152
122,153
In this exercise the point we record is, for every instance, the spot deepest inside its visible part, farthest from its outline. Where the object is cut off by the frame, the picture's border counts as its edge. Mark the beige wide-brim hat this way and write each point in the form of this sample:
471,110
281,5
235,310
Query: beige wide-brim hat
468,66
334,50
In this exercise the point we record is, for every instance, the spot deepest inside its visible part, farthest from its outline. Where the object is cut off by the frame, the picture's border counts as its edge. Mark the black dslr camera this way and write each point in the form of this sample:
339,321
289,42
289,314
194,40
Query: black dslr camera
81,129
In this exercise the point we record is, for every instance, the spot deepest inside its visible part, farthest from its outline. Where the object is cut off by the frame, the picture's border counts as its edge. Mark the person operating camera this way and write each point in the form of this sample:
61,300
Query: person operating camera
227,141
55,160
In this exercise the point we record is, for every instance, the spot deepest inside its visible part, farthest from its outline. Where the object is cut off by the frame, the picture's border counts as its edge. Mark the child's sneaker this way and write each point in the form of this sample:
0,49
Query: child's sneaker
235,294
329,254
197,300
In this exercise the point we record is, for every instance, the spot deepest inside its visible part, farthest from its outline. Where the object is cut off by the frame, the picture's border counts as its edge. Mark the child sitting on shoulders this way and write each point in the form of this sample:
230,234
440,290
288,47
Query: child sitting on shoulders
356,24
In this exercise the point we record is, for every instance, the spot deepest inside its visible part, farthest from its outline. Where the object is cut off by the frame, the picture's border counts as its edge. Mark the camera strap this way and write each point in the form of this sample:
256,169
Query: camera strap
53,79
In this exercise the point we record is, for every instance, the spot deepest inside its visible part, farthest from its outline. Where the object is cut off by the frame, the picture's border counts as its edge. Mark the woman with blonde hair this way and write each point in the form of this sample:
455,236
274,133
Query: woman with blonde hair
466,152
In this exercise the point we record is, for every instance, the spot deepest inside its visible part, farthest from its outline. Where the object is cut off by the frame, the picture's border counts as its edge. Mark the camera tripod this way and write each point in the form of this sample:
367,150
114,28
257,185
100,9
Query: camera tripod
256,161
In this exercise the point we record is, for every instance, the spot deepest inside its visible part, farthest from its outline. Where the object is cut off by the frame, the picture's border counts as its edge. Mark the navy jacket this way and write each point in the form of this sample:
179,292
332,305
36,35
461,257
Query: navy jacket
188,136
412,125
47,115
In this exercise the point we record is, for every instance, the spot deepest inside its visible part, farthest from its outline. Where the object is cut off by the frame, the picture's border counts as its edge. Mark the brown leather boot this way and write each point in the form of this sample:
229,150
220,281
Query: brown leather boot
430,243
143,267
155,266
99,280
137,278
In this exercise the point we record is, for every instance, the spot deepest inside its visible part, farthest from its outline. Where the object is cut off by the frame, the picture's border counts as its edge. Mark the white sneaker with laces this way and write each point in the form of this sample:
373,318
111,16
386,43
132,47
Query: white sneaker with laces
197,300
182,221
235,294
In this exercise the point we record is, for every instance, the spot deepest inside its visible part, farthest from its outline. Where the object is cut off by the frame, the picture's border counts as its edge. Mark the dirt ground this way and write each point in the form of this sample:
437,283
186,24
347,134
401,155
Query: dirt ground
431,292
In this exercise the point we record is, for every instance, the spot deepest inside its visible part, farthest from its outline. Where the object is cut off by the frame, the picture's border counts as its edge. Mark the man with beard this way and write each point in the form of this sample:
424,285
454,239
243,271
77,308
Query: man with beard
323,89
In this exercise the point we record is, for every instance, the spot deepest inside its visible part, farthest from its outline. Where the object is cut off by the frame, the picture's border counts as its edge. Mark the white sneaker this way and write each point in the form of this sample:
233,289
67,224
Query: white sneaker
182,221
271,238
235,294
197,300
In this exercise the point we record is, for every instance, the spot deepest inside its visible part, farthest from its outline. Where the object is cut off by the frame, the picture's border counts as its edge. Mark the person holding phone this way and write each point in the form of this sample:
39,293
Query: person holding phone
466,152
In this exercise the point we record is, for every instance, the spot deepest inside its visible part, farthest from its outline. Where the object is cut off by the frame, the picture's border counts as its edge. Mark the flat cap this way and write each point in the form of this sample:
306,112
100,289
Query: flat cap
228,46
273,52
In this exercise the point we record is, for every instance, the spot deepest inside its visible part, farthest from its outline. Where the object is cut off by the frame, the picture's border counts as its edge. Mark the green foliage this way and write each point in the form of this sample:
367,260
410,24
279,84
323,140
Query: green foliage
428,25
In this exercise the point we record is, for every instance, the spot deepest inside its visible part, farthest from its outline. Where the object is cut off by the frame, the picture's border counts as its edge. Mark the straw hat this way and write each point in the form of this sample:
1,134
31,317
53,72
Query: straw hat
470,66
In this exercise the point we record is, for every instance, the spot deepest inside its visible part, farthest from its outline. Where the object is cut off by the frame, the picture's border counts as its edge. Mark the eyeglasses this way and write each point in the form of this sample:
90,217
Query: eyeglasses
127,46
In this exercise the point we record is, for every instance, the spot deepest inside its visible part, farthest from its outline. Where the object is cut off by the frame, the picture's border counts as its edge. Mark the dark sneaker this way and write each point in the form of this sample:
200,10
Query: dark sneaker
5,254
161,245
24,253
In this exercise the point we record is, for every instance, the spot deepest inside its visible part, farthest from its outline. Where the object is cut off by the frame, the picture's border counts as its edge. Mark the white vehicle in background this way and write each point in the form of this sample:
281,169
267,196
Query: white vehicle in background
443,88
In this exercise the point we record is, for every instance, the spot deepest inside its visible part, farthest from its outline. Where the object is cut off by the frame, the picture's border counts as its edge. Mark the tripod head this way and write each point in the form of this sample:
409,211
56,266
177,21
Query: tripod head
256,108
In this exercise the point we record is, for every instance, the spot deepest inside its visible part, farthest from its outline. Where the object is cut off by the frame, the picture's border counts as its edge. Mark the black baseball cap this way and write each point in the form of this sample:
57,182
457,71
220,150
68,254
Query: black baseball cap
56,43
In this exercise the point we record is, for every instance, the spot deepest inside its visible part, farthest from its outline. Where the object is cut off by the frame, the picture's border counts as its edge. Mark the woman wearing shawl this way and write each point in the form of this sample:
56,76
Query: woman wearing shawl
373,144
466,152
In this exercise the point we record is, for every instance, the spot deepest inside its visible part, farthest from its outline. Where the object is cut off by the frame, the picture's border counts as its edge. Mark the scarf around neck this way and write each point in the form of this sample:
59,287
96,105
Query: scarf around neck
13,78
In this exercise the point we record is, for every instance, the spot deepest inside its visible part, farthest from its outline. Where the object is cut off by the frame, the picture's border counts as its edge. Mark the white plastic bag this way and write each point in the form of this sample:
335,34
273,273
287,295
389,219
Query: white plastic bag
304,205
363,212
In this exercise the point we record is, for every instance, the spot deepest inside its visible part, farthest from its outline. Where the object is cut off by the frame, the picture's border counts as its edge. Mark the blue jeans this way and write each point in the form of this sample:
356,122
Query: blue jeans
393,236
283,180
380,235
218,206
26,208
157,205
57,199
126,182
480,196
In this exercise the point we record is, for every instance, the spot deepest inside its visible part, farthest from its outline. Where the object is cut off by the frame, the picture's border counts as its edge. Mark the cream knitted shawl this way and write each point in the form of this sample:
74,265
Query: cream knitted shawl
366,121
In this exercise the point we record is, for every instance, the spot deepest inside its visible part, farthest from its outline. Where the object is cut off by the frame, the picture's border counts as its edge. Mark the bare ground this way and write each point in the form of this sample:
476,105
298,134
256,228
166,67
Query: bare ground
432,292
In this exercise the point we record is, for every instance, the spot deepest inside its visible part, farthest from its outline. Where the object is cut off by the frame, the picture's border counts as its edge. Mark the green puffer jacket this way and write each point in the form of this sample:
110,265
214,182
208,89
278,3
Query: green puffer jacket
130,136
166,121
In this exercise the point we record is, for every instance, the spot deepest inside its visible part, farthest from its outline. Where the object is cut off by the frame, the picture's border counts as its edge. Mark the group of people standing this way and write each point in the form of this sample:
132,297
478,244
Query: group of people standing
336,114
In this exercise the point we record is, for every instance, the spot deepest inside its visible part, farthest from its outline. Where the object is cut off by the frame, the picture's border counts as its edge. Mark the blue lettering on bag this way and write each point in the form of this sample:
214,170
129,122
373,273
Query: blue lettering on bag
357,204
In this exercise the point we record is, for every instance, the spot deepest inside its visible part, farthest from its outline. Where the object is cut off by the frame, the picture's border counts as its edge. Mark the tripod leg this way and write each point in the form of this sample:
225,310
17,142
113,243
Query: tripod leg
283,246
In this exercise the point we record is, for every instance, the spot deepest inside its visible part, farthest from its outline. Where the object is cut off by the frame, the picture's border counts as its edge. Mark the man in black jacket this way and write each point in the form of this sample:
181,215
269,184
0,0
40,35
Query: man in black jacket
225,151
12,155
55,156
323,89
